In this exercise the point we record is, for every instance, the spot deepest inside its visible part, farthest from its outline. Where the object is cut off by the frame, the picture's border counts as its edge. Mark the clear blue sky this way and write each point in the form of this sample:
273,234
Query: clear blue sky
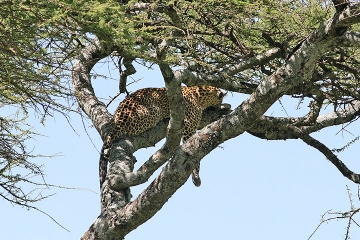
251,188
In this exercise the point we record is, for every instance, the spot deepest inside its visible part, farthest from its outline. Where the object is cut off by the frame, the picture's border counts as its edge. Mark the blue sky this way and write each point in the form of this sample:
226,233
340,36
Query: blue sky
251,188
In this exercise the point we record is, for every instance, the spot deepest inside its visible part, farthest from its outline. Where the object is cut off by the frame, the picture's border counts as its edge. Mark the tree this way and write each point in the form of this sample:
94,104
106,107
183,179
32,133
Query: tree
267,49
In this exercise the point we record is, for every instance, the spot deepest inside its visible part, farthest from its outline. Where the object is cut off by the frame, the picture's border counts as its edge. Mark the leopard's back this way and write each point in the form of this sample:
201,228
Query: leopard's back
143,109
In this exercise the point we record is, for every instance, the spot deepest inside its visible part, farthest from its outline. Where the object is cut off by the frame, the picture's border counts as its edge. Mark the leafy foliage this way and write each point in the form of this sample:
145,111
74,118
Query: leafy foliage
36,50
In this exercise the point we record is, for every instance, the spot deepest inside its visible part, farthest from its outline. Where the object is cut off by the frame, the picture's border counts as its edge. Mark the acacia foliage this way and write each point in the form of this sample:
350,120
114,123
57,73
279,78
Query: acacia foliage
35,53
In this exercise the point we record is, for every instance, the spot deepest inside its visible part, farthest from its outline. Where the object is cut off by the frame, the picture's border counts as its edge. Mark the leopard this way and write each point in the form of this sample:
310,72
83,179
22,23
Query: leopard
143,109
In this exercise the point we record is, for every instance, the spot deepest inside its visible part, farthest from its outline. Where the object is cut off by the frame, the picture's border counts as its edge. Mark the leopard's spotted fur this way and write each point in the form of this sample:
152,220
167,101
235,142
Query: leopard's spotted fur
144,108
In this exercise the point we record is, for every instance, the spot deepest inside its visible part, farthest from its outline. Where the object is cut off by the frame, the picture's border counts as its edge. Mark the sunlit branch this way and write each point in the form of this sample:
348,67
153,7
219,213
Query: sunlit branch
84,92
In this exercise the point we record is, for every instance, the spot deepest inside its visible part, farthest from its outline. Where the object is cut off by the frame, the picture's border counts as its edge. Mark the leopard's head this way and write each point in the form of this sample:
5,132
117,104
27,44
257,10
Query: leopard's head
210,96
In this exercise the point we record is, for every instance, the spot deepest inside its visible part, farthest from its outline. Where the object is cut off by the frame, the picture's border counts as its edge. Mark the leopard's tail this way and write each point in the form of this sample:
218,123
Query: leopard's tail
103,162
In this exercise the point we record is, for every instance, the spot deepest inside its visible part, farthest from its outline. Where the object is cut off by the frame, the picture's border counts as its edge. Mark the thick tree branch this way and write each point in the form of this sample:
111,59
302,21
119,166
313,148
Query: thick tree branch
84,92
97,112
176,102
125,178
274,128
280,128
